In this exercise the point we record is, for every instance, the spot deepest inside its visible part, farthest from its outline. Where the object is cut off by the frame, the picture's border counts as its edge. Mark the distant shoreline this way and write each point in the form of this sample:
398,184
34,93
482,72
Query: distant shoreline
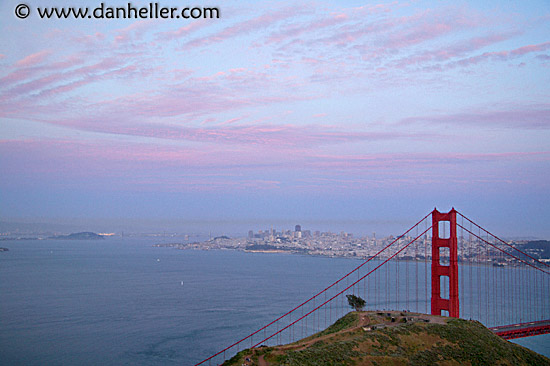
267,251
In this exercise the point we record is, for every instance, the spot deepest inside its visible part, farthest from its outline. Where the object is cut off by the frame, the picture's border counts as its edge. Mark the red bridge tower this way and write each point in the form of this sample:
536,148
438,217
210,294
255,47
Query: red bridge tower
448,220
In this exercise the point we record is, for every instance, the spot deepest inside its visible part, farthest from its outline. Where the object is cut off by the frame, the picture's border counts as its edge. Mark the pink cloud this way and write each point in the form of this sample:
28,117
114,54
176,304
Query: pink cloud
296,30
129,119
381,40
418,34
91,39
501,55
134,31
417,169
231,121
445,53
405,31
530,48
189,97
135,166
340,27
184,31
526,117
24,75
397,160
16,76
250,25
62,81
33,59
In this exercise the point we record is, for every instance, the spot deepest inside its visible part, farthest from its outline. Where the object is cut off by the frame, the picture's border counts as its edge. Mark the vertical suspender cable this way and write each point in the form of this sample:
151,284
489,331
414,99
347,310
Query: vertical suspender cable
407,283
495,292
479,252
416,270
426,268
487,313
397,278
376,294
387,287
471,265
461,253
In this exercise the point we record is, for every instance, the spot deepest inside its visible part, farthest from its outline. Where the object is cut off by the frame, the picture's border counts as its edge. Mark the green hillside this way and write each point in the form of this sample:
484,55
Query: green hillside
395,338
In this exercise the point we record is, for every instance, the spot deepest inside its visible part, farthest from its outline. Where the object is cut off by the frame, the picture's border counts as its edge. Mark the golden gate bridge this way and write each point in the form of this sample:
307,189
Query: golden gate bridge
445,264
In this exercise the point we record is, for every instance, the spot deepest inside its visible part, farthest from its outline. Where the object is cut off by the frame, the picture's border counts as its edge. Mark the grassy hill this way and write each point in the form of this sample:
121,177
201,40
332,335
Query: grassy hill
395,338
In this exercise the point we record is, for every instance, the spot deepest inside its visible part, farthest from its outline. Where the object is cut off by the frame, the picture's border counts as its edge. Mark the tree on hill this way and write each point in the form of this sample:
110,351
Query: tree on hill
356,302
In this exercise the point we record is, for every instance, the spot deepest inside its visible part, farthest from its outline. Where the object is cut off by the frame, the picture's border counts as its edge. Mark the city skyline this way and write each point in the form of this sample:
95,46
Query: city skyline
352,112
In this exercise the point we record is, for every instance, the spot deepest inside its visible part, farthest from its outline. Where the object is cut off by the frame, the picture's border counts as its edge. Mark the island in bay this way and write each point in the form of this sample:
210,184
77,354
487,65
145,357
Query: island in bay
87,235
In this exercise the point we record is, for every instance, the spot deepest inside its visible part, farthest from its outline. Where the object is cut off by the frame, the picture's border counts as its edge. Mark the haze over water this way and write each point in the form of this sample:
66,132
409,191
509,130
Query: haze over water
355,111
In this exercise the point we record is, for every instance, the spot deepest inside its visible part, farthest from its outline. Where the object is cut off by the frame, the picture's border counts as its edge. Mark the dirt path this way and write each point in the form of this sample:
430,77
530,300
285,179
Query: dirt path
261,361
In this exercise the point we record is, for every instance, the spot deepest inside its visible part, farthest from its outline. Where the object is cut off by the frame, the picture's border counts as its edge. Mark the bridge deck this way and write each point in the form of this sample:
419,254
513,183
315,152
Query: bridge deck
521,330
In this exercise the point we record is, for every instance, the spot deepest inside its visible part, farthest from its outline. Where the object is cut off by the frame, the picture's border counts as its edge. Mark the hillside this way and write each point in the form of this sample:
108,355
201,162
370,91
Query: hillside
395,338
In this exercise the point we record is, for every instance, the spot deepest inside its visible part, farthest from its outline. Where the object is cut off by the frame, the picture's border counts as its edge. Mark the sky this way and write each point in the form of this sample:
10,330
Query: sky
359,113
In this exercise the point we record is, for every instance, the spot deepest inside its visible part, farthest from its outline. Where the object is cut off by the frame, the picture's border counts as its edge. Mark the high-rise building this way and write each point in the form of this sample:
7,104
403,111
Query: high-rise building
297,228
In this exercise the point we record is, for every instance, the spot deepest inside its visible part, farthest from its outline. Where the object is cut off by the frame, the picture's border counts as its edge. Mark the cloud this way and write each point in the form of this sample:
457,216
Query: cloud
181,32
16,84
443,53
168,167
276,136
530,48
33,59
188,99
523,117
131,167
296,30
249,26
135,31
501,55
418,160
91,40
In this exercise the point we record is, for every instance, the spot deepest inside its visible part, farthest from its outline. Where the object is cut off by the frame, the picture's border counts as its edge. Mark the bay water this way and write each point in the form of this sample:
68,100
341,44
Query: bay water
121,301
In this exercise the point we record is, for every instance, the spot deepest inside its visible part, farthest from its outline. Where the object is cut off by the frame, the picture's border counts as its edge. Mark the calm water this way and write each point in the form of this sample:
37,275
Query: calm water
122,302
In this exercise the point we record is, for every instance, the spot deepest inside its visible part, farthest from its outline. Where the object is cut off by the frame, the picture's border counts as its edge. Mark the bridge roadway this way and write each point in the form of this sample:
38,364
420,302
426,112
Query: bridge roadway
521,330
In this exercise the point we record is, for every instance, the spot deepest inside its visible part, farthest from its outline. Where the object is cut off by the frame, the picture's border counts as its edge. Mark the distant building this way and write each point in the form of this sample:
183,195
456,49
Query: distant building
250,234
298,228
